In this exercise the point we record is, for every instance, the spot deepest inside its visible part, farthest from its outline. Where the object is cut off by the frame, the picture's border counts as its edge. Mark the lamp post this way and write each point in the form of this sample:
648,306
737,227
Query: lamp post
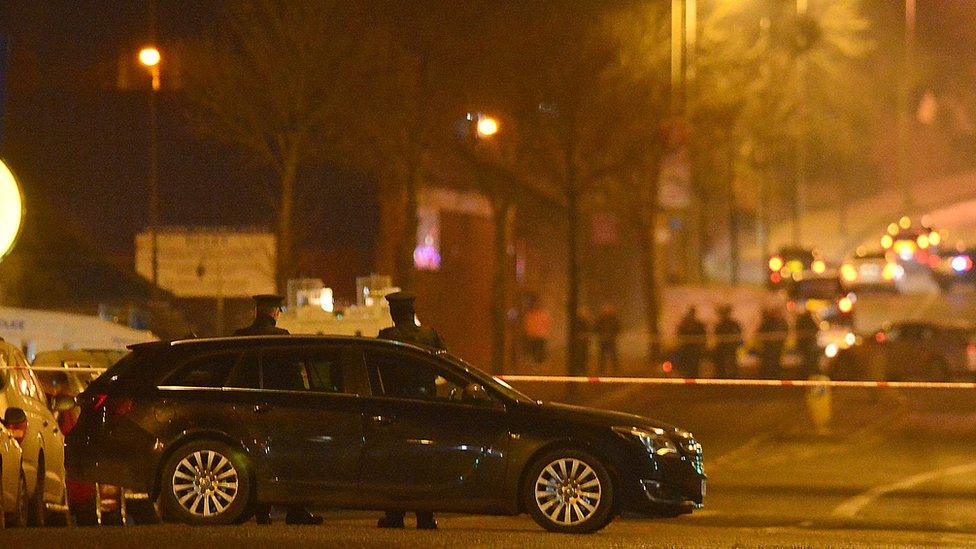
150,58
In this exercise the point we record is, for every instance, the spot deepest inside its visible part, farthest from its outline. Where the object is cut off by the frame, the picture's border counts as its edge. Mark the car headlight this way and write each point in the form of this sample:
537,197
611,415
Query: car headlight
655,440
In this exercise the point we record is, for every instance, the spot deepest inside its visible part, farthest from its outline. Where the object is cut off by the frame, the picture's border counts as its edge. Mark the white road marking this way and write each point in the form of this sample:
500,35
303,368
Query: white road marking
851,507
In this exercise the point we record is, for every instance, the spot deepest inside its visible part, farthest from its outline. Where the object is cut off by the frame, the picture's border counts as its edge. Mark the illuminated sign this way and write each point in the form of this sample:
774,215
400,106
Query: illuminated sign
11,209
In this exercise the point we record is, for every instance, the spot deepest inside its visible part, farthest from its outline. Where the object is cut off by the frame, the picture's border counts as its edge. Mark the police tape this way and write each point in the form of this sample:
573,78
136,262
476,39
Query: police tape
739,382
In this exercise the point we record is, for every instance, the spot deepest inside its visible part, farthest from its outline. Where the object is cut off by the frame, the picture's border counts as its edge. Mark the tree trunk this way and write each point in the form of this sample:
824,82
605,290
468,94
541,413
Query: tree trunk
733,222
574,359
284,258
499,287
408,239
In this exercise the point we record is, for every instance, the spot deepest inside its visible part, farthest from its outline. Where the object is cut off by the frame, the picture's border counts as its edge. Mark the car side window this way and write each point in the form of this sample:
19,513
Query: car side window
204,371
313,370
248,373
399,375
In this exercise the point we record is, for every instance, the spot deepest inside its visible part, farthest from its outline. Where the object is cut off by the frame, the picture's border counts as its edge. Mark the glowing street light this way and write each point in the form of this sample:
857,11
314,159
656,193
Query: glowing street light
149,56
11,209
487,126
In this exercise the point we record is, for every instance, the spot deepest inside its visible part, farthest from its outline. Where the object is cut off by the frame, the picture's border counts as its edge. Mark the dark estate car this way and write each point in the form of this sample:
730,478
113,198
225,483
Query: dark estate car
211,426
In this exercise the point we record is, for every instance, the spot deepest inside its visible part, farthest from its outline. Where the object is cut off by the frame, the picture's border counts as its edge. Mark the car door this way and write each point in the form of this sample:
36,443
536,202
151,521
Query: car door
43,434
309,417
424,445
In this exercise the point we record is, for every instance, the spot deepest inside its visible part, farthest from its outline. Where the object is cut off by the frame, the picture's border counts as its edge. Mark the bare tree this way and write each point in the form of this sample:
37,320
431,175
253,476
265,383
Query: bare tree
277,81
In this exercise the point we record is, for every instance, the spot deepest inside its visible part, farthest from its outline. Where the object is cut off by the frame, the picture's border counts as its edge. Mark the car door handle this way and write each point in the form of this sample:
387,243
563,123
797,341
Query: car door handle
262,408
382,420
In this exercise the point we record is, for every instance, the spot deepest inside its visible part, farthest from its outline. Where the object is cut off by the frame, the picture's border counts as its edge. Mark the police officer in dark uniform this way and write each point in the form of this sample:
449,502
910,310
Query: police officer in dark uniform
267,309
405,329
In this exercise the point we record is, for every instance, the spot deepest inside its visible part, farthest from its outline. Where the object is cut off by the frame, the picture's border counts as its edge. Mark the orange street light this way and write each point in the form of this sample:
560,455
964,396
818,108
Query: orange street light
150,58
487,126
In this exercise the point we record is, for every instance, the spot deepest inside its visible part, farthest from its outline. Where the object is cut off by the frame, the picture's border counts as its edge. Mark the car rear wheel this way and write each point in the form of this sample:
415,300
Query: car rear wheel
205,482
569,491
35,508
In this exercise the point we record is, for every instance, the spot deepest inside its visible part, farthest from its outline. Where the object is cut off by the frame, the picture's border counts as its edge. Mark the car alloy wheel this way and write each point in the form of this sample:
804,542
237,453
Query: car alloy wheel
569,491
205,483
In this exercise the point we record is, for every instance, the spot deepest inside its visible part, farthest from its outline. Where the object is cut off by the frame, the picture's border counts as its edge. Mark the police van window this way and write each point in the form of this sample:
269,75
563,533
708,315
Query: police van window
404,376
312,370
204,371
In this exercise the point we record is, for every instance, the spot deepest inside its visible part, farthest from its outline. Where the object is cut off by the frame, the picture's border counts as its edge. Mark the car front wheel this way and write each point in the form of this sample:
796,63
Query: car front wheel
206,483
569,491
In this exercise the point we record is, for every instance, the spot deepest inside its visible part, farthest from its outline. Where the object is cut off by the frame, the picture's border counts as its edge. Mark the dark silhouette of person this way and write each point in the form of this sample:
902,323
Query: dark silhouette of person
267,309
691,343
405,329
607,333
536,324
728,339
806,330
772,337
584,331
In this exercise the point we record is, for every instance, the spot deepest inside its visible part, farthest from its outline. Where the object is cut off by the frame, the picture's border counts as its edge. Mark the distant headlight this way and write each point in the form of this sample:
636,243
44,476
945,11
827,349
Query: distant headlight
655,440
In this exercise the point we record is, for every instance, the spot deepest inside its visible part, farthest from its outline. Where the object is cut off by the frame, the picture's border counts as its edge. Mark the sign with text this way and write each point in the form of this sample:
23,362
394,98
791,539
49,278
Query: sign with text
209,262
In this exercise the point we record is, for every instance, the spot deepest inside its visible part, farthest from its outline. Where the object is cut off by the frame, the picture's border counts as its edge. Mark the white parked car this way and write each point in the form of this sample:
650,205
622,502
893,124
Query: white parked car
25,413
13,483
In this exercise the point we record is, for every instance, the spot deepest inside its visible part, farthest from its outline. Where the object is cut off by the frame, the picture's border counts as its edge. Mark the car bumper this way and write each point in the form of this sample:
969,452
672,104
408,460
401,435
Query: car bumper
107,459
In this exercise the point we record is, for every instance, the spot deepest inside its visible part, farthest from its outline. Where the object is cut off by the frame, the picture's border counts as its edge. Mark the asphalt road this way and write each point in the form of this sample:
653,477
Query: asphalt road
895,469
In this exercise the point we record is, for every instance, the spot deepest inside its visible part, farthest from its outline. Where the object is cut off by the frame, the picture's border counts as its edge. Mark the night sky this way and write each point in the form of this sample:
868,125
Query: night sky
79,143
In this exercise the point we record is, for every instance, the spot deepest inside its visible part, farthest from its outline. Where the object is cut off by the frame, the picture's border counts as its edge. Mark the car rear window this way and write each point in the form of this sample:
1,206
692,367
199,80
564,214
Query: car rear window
211,370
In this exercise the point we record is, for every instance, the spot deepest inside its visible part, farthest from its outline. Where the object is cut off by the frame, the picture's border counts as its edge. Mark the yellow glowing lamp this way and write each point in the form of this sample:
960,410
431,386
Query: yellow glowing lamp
149,56
775,263
892,229
923,241
934,238
848,272
887,241
487,126
845,304
819,266
905,222
11,209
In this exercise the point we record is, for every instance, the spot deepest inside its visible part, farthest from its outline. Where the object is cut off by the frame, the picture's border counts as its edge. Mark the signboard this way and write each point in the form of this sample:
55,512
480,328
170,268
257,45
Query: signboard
11,209
210,262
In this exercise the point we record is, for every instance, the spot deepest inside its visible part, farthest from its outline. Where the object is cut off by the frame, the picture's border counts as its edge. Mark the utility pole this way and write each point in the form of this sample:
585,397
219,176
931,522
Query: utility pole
906,166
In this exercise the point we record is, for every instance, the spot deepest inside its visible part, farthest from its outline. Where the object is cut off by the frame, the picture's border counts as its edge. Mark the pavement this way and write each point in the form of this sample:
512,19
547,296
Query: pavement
894,469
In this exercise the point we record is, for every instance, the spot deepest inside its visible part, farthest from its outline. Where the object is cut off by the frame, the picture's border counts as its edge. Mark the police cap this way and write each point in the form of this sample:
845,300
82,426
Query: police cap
400,300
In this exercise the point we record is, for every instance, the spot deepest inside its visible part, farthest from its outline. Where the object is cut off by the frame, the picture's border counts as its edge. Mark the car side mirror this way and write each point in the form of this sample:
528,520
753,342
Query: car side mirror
14,416
63,403
475,393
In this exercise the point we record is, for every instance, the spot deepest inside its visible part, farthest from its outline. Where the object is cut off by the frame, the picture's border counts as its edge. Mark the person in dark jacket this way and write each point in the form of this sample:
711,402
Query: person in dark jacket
728,336
772,337
806,330
405,329
691,343
608,331
267,309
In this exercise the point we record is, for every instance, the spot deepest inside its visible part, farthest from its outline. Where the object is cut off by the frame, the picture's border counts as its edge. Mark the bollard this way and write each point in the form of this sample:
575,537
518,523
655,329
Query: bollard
819,405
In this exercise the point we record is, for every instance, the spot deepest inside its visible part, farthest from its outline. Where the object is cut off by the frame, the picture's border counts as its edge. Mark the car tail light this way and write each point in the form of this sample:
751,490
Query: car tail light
113,406
880,337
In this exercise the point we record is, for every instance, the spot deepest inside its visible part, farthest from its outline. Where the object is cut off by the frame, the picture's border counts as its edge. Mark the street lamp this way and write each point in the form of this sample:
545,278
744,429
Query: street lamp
487,126
150,58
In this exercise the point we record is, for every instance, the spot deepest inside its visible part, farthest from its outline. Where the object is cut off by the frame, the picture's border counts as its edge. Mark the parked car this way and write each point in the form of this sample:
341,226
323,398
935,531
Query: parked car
24,407
68,373
211,426
13,483
910,351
